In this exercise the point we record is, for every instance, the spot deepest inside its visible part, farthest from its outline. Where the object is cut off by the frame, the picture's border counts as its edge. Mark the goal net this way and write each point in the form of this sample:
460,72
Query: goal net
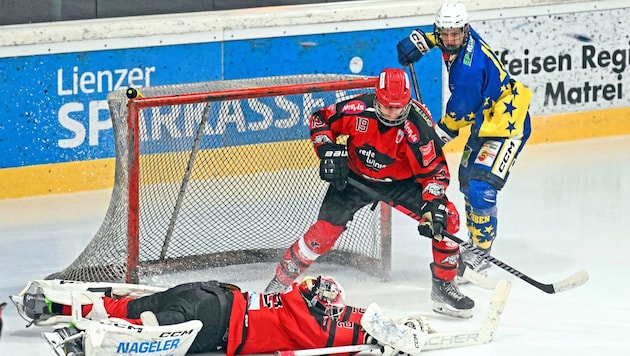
222,173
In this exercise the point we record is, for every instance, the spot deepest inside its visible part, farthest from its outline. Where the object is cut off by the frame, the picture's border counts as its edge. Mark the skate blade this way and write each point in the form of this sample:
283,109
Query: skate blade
461,280
445,309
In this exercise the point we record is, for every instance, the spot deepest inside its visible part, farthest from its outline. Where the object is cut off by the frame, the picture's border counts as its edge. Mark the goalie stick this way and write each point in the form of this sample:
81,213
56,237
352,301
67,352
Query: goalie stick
482,334
328,350
573,281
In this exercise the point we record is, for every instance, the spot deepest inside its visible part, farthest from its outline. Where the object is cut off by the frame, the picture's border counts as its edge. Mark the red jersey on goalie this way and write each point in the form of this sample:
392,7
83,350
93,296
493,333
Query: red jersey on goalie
283,321
311,314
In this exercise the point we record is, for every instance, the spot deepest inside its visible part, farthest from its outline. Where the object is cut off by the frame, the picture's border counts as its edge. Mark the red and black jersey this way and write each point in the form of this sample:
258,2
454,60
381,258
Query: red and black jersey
258,323
383,153
265,323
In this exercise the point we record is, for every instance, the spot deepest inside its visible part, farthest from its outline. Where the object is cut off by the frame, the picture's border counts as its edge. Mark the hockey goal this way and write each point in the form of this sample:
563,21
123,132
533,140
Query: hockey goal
221,173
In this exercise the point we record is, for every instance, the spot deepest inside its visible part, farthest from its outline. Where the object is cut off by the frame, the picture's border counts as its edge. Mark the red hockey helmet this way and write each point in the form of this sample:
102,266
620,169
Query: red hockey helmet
323,293
393,90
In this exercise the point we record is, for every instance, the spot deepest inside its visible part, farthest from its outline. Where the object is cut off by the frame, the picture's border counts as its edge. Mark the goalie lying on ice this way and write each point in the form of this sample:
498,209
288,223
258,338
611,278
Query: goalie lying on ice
114,318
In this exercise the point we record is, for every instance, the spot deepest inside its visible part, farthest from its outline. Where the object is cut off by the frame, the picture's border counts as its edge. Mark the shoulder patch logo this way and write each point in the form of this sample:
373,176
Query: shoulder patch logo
317,121
428,153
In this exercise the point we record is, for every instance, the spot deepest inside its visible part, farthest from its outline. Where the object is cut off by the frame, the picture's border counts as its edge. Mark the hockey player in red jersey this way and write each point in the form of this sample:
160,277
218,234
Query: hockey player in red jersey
392,148
310,314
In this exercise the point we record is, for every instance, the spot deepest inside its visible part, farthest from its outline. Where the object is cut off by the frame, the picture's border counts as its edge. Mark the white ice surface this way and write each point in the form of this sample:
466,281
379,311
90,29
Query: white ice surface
565,208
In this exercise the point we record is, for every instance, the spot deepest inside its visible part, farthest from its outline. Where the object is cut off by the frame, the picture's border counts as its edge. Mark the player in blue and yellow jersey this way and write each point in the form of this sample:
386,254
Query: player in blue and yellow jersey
484,97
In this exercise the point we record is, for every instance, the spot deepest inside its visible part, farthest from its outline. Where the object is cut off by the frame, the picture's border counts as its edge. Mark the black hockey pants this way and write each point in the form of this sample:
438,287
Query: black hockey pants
210,302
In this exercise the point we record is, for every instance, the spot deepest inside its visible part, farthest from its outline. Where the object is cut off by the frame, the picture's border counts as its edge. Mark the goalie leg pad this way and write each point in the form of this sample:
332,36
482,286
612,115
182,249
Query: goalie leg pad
115,338
76,294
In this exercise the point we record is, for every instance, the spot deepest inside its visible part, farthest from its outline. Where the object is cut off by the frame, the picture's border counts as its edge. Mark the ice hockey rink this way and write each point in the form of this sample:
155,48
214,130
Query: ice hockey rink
566,208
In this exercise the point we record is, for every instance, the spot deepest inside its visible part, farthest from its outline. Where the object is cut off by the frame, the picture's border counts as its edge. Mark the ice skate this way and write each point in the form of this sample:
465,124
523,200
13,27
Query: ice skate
469,259
448,300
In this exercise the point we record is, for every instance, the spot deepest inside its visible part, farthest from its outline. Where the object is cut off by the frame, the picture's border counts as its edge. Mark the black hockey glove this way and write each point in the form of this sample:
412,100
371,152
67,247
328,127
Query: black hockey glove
333,164
434,215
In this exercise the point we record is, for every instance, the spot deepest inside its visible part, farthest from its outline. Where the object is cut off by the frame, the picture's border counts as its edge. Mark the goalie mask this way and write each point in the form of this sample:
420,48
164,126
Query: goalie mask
393,95
451,27
323,293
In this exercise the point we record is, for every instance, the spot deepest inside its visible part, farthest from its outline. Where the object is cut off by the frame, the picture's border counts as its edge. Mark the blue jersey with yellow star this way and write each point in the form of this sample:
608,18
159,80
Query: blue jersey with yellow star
483,94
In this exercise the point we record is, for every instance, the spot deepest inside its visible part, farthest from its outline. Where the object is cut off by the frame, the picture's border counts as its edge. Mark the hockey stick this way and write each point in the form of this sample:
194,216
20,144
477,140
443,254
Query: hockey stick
469,274
573,281
414,80
435,341
328,350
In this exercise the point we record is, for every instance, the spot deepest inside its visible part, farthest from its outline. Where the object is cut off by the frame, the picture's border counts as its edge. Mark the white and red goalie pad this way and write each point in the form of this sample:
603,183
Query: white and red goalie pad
76,294
107,338
103,335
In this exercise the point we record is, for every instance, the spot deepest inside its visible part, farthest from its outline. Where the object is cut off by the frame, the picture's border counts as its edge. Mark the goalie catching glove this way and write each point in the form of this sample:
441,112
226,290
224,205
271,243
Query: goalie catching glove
333,165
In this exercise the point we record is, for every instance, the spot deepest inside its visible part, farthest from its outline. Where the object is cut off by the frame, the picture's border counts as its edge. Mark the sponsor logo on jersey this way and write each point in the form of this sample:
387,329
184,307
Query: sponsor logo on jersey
466,156
435,189
411,132
488,153
423,113
451,244
147,346
468,55
450,260
353,107
428,153
506,158
373,159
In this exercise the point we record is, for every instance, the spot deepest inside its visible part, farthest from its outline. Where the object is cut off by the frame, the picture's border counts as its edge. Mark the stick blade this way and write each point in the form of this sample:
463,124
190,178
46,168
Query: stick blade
573,281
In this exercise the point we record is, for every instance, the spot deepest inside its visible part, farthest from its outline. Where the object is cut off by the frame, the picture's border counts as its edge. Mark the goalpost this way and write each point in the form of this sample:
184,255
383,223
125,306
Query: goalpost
221,173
